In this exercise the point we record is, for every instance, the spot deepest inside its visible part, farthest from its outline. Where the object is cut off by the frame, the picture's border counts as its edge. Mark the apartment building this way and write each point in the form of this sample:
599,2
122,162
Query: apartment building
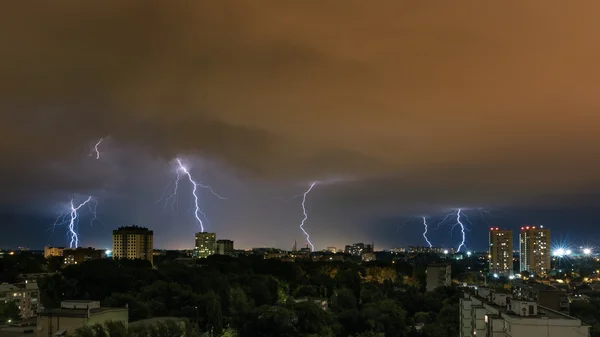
133,242
438,275
206,244
501,252
490,313
25,295
534,251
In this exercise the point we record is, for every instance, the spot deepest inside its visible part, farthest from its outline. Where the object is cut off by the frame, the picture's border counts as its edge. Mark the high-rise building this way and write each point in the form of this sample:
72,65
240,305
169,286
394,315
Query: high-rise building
534,250
501,252
224,247
133,242
206,244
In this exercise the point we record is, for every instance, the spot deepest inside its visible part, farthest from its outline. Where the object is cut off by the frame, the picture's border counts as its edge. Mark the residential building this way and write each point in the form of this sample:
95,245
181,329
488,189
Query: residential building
80,254
438,275
546,295
534,252
225,247
133,242
358,249
501,252
25,295
494,313
368,257
53,251
73,315
206,244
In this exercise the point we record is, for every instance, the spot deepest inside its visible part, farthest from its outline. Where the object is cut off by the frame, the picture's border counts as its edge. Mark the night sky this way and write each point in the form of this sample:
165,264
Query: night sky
401,109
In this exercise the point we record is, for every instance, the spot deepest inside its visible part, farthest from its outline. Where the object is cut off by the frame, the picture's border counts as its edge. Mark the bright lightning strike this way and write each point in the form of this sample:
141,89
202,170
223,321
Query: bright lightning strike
96,150
197,211
425,232
312,247
462,230
459,217
71,219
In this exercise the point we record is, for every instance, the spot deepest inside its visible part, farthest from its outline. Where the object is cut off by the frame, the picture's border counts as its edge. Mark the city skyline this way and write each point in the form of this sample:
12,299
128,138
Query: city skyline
396,118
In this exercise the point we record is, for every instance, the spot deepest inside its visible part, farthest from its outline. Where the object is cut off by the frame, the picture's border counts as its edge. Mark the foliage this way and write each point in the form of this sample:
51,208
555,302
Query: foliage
9,311
249,296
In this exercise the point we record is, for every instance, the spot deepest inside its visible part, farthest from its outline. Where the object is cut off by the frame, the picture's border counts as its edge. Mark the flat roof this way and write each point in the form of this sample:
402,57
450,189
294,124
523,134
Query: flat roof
77,312
542,311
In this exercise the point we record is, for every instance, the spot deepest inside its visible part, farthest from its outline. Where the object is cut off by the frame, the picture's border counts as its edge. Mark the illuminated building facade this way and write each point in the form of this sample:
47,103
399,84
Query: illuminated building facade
80,254
206,244
501,252
133,242
53,251
534,252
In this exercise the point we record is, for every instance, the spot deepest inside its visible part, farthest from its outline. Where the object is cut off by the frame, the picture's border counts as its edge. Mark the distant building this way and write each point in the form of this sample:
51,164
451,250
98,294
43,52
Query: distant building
225,247
501,252
53,251
368,257
133,242
79,255
206,244
73,315
438,275
534,250
26,296
430,250
358,249
494,313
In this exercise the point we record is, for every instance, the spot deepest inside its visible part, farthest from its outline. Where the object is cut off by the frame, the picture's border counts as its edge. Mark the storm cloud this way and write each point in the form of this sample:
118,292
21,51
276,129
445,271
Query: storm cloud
442,103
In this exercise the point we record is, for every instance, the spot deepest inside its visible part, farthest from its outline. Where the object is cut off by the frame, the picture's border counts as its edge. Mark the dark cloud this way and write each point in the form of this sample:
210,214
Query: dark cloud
442,103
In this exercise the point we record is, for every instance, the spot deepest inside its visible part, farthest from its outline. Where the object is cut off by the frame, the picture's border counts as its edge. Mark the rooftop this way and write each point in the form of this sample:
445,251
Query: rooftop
77,312
542,312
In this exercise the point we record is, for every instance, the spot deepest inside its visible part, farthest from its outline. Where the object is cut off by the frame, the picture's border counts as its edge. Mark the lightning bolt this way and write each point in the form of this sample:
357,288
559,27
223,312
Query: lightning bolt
71,219
181,169
96,150
312,247
462,229
425,232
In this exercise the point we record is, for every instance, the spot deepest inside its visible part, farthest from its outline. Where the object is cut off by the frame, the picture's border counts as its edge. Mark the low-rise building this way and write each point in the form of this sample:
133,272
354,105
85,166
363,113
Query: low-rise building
493,313
53,251
25,295
73,315
80,254
546,295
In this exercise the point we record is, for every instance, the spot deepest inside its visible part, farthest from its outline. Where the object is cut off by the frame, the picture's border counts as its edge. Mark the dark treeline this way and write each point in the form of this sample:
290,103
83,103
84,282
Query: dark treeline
250,296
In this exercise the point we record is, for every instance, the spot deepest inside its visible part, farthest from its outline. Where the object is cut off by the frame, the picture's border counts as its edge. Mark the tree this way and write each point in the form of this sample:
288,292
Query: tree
344,300
116,329
239,307
312,319
271,321
9,311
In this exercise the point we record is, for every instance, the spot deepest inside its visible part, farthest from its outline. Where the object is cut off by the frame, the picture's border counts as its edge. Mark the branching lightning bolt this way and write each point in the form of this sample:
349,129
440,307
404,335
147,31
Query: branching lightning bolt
425,232
312,247
181,169
71,219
